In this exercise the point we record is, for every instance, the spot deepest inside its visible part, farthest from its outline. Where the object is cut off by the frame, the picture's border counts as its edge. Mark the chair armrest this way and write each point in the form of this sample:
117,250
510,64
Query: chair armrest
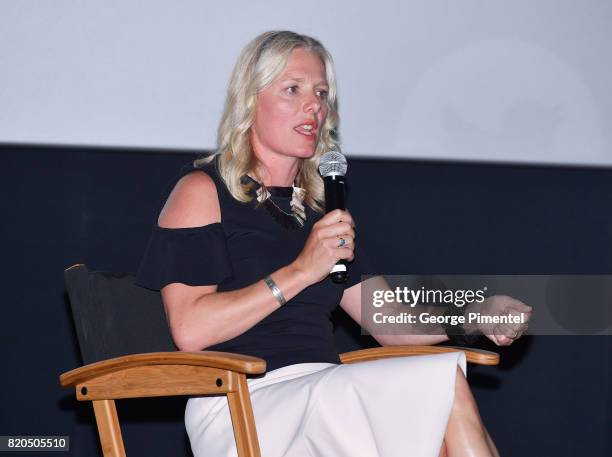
224,360
476,356
158,374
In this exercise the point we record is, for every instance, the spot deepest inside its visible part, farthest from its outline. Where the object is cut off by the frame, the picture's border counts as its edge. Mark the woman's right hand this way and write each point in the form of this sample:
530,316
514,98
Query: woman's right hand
322,249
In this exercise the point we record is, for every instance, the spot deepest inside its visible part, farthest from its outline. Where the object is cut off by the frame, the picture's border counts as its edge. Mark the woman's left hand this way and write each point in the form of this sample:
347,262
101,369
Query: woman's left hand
502,334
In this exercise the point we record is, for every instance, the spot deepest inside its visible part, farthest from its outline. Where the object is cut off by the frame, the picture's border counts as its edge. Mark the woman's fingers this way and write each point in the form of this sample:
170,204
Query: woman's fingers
341,241
504,340
494,339
332,238
338,246
520,307
337,215
506,330
500,339
346,254
504,334
342,247
337,229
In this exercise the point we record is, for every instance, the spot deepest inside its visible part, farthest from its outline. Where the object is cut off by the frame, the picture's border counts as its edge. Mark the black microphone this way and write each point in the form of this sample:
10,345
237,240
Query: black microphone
332,167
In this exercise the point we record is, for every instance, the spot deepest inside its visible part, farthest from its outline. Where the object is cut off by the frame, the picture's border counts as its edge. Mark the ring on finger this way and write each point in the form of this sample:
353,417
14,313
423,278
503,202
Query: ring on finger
341,242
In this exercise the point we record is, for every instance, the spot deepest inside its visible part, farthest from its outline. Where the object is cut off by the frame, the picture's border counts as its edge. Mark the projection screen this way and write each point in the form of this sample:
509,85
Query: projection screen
496,81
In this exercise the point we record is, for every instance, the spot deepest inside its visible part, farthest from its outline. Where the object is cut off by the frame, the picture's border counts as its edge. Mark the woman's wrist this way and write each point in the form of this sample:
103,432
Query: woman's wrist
471,327
285,283
278,294
299,275
461,334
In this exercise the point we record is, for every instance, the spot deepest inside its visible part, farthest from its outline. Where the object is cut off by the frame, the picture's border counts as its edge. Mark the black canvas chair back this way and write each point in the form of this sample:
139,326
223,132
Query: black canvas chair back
113,316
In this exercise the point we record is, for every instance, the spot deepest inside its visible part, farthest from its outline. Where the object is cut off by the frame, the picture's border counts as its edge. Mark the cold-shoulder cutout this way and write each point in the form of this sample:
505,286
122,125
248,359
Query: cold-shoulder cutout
188,244
193,202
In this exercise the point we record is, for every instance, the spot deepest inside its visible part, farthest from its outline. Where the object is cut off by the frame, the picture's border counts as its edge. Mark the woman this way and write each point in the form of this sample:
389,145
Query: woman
241,255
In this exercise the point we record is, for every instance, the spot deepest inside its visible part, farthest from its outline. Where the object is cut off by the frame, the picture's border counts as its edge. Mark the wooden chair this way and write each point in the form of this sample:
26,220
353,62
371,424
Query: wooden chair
118,324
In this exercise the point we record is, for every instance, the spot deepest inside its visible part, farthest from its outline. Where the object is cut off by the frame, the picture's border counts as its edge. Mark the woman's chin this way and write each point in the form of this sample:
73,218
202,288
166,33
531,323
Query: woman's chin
302,154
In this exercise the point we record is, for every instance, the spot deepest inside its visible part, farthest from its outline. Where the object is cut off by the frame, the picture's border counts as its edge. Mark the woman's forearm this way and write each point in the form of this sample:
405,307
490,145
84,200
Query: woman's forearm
416,334
410,340
220,316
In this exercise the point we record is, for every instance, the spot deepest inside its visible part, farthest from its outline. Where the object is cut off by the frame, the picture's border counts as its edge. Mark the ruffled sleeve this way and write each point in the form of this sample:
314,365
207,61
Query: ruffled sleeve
361,265
195,256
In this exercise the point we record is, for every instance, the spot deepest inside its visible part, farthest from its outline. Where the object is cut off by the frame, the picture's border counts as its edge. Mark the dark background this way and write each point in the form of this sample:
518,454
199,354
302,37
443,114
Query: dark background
549,396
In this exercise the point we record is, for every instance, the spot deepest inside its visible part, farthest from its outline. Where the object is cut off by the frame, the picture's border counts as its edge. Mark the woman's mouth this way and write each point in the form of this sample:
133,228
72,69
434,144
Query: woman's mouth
308,130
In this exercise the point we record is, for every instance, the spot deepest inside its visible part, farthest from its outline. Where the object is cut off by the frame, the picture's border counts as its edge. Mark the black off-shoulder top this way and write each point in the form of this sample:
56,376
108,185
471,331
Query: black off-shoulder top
244,247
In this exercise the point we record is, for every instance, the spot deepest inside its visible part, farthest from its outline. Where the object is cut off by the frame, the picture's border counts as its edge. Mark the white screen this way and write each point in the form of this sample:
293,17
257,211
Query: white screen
514,81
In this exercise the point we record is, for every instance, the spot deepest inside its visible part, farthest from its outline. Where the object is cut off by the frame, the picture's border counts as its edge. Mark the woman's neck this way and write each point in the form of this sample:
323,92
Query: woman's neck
278,173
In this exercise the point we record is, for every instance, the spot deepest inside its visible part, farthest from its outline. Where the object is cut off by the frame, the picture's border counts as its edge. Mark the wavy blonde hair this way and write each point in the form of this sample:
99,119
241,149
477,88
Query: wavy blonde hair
259,64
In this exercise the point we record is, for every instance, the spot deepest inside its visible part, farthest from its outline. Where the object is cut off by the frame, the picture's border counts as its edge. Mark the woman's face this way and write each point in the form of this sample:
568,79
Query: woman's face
292,109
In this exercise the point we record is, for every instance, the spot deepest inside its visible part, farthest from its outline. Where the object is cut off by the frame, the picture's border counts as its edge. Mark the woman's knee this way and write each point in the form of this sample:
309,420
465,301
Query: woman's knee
443,452
464,400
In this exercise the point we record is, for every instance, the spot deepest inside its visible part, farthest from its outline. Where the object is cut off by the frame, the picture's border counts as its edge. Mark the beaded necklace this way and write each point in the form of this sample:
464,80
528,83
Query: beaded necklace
290,221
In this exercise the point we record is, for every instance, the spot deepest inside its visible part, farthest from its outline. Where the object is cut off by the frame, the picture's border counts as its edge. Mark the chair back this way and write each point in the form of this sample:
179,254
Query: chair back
113,316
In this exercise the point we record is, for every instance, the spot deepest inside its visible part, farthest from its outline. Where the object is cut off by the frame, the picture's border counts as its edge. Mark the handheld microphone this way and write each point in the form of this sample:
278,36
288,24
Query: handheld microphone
332,167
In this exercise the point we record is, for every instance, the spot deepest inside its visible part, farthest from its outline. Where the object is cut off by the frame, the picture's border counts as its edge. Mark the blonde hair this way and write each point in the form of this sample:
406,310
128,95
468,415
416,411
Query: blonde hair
259,64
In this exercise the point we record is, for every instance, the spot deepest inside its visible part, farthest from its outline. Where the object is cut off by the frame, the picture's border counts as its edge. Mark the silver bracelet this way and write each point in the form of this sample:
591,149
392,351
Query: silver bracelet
275,290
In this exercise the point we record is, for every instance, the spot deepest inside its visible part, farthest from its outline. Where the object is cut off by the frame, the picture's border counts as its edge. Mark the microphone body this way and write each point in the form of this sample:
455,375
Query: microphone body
334,199
332,167
334,192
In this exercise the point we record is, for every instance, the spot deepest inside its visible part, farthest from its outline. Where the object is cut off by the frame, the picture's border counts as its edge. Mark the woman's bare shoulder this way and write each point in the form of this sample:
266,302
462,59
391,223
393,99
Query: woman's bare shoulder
192,203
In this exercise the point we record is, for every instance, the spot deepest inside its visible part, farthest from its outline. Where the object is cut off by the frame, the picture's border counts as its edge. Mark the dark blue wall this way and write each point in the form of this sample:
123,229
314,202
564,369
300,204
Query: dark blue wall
550,396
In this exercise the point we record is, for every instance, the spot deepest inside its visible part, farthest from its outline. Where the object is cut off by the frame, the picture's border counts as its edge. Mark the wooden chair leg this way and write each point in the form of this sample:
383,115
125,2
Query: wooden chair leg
108,428
243,421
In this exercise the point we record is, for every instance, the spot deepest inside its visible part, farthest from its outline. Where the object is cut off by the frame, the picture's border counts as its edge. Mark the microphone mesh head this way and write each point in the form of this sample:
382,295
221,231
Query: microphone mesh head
332,163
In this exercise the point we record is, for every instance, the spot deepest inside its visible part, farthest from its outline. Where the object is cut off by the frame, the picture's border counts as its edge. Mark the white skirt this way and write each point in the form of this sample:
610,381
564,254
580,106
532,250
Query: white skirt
390,407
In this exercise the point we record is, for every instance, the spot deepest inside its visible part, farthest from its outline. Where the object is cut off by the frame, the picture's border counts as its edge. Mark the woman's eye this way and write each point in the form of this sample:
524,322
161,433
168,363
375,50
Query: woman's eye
322,93
292,90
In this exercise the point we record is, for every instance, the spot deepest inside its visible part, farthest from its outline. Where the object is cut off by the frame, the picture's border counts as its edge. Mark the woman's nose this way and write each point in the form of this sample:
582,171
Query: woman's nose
312,104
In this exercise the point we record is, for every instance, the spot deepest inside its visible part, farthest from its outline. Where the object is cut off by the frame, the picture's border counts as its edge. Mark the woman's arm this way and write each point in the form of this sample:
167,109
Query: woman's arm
495,305
351,303
199,316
